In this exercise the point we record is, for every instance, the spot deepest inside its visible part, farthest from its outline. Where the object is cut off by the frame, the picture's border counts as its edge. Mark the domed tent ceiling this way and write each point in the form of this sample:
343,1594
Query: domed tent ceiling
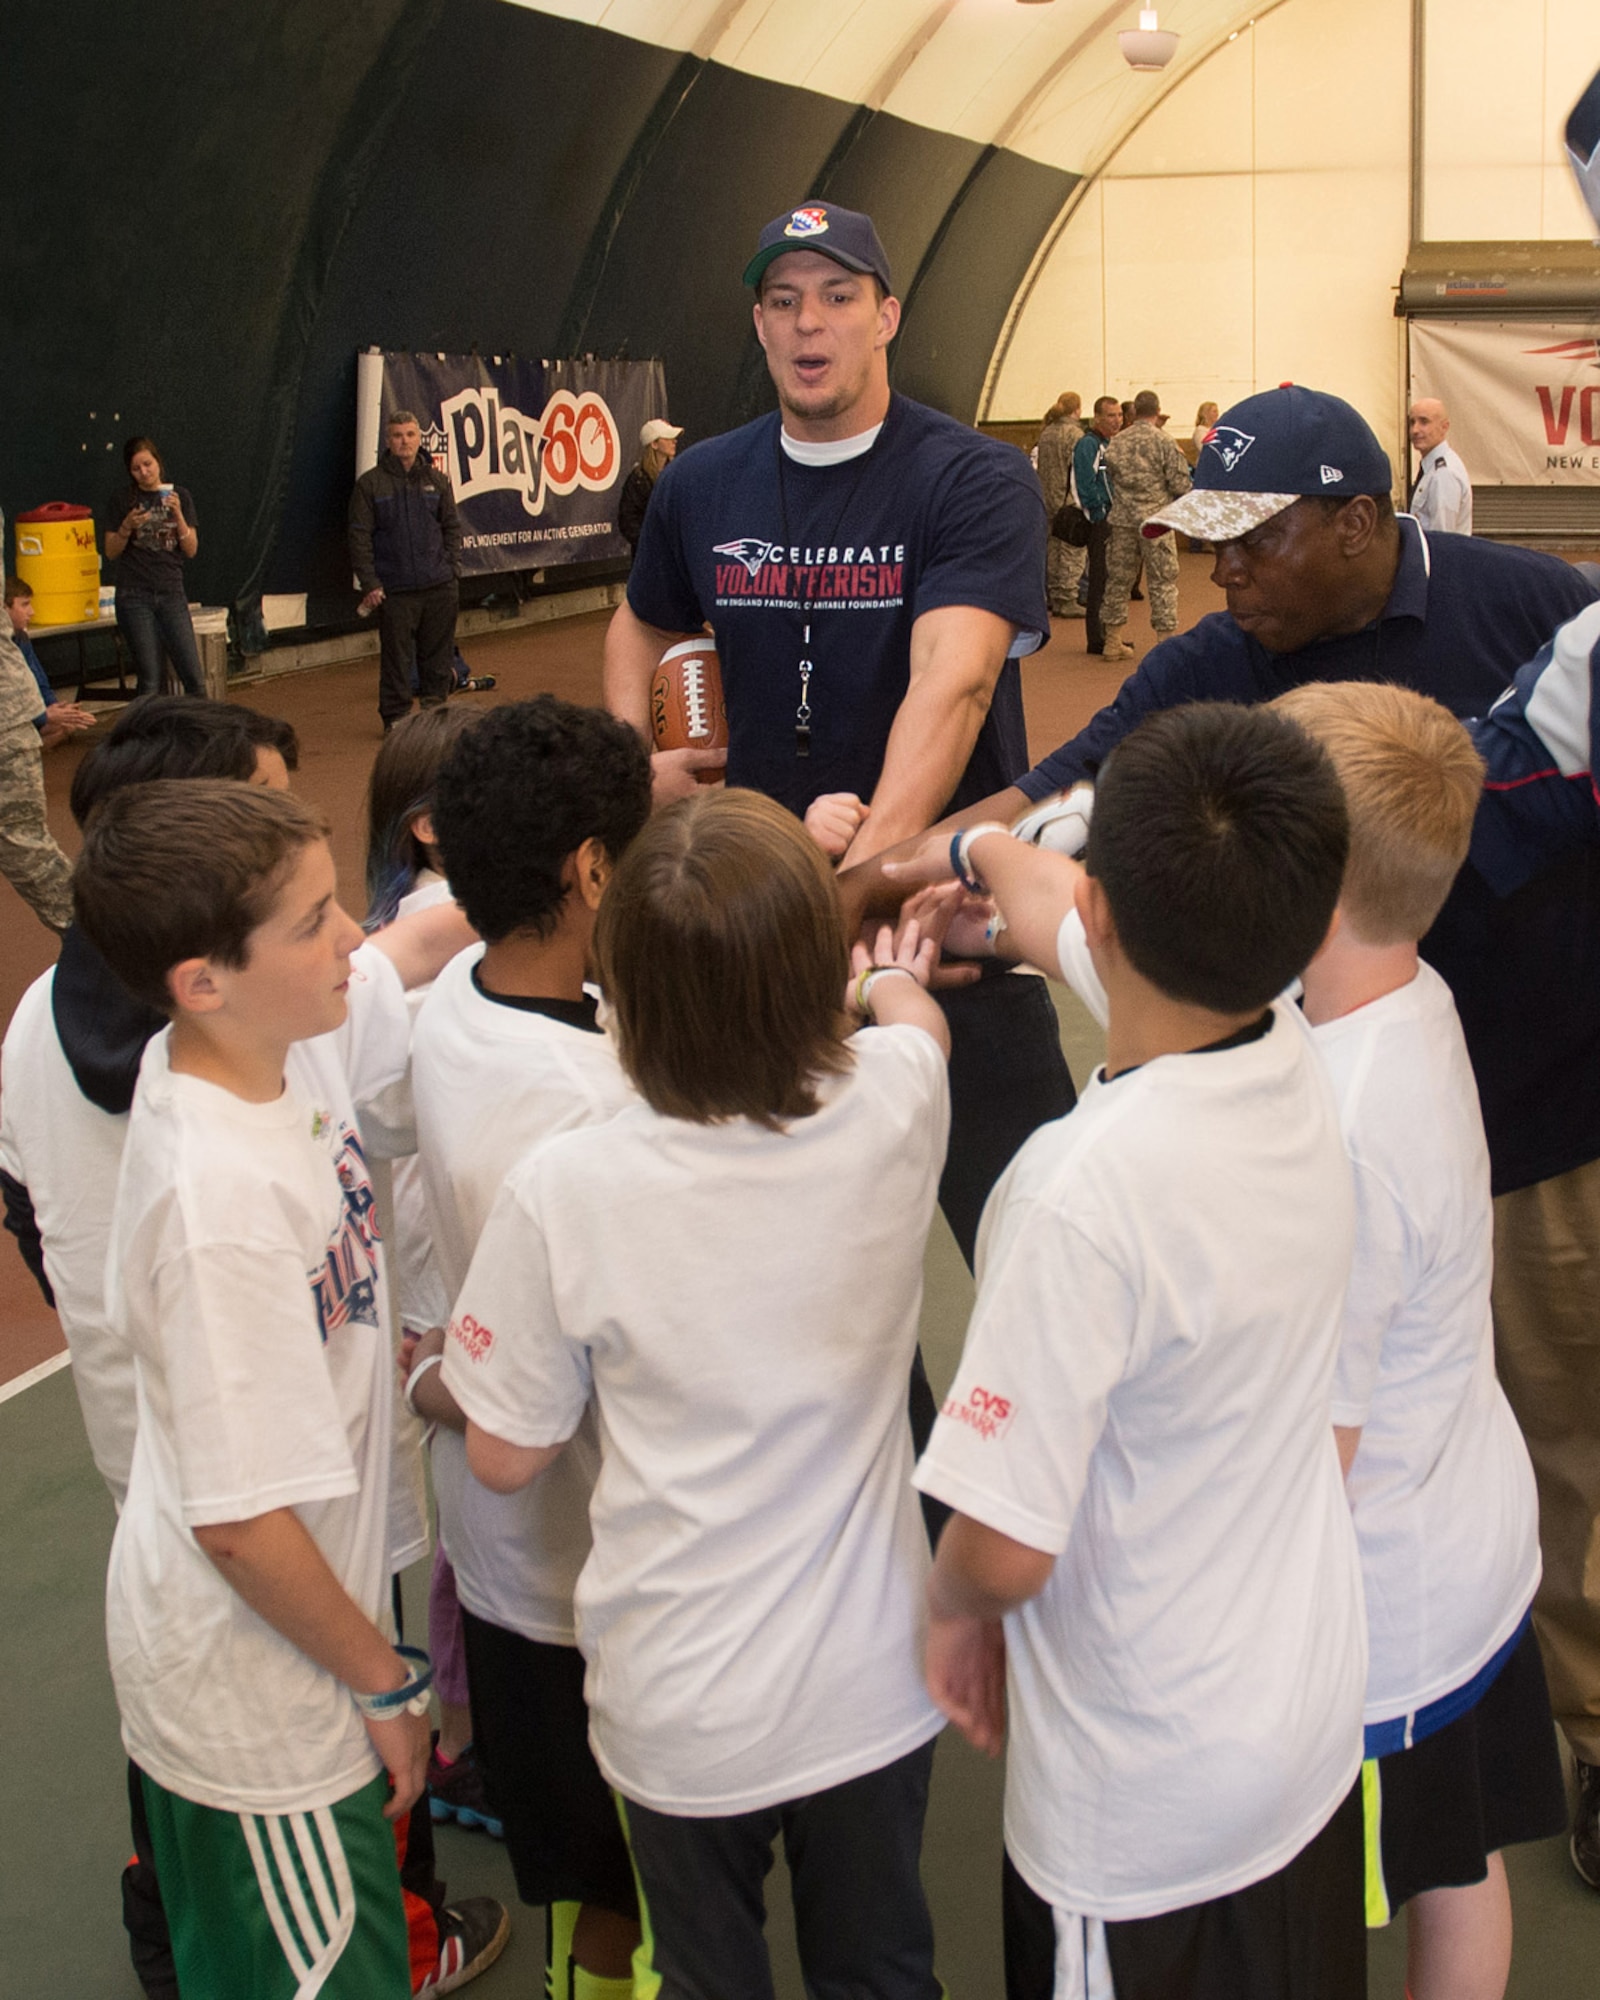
213,212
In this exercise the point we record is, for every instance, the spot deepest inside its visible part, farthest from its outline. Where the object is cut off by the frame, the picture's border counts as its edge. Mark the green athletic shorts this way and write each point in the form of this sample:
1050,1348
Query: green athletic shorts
282,1906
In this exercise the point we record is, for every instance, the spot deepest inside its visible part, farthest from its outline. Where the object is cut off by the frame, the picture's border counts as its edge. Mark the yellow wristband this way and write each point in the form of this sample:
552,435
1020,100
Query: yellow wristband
868,980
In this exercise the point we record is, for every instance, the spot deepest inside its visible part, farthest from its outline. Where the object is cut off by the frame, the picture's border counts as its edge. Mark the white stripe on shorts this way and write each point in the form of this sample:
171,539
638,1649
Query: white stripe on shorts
1083,1965
312,1953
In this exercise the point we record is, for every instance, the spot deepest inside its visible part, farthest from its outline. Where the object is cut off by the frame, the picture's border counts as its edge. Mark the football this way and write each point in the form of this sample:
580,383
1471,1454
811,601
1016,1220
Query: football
686,705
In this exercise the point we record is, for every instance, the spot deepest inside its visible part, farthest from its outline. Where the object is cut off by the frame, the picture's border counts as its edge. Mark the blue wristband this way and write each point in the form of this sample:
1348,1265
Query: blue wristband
411,1697
961,852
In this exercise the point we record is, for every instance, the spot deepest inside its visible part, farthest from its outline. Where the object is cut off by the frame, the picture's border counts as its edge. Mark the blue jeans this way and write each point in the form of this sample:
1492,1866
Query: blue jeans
153,625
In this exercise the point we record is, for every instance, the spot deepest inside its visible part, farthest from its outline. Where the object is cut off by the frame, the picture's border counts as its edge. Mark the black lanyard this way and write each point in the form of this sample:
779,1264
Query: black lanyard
802,714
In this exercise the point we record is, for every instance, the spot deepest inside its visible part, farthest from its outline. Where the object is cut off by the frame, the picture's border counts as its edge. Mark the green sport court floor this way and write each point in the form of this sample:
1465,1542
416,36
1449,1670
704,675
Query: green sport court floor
63,1834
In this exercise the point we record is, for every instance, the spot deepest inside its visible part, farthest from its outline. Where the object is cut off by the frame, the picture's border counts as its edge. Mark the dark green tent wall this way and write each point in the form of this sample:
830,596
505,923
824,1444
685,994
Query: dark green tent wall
209,210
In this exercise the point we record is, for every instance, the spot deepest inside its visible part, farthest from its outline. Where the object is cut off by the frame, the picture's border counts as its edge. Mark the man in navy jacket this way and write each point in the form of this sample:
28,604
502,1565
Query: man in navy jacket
405,545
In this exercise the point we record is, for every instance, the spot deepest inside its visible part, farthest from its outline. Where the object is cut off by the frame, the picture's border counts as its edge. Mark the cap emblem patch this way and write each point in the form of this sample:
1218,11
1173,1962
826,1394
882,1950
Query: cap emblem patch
1229,445
807,222
1331,475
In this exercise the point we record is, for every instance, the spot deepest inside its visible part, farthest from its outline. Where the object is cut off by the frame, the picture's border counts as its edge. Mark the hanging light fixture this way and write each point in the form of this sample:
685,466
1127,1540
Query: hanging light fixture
1147,46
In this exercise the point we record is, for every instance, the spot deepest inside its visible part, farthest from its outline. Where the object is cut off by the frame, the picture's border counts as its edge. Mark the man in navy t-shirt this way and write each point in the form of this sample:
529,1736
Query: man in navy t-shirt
872,572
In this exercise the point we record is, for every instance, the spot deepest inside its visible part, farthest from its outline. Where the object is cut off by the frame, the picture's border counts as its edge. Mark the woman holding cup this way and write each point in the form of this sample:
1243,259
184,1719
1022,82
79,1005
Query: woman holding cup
150,535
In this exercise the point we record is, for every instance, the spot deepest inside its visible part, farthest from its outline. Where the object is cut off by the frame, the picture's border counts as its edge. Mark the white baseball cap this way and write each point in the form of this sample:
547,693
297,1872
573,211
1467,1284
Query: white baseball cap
657,429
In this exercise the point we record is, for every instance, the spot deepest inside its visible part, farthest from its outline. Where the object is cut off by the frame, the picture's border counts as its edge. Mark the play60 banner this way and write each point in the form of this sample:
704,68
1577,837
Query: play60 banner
536,451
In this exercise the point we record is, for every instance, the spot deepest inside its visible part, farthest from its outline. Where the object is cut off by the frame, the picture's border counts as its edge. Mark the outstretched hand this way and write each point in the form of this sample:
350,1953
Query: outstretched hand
673,774
904,945
928,862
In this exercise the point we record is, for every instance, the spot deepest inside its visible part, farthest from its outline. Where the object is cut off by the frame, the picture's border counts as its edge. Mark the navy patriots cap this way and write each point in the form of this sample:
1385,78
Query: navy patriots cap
843,234
1269,451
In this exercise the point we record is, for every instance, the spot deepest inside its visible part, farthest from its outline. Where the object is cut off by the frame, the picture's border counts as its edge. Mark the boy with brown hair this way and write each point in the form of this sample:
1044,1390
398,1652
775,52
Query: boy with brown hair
274,1723
1460,1755
751,1608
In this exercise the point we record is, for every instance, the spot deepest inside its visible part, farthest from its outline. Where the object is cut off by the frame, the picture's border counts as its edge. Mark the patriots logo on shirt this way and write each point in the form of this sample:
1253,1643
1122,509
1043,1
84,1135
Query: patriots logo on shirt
749,550
346,1288
1229,444
807,222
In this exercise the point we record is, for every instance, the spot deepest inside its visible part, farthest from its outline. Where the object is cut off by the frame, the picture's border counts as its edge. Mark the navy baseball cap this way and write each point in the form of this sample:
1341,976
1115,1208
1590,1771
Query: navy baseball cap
843,234
1269,451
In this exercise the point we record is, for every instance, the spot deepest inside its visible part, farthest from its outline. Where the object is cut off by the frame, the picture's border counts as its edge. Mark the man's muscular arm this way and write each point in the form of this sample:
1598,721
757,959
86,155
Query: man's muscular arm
633,651
957,652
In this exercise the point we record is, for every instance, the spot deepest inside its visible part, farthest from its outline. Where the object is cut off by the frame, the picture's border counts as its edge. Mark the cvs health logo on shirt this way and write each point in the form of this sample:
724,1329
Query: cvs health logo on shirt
472,1337
983,1411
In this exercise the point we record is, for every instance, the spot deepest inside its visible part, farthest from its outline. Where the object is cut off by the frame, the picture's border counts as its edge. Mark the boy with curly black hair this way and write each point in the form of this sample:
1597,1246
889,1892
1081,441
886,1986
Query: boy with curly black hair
531,811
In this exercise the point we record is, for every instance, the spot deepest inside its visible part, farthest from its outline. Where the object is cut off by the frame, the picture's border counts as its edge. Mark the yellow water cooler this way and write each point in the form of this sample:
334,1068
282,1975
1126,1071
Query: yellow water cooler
59,560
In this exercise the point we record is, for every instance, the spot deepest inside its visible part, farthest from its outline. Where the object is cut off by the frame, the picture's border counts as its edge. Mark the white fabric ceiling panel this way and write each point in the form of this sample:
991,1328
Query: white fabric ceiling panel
1060,342
1322,298
1499,83
1199,129
1333,100
1047,81
1163,311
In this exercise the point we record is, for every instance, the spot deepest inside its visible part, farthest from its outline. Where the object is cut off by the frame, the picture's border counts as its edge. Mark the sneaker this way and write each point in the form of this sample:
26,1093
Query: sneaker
456,1791
474,684
1586,1826
1116,649
472,1935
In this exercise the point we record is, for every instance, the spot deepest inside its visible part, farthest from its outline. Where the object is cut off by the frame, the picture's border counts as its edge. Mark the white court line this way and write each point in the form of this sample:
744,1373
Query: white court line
29,1376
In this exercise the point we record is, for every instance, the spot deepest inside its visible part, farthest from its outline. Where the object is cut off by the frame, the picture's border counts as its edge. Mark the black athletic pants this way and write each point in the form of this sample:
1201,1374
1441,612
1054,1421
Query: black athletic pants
1297,1935
861,1918
1099,540
426,620
1007,1078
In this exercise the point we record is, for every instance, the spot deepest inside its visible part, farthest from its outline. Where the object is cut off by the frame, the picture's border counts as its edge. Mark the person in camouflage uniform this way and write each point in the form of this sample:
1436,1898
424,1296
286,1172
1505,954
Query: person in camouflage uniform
1063,427
29,857
1146,470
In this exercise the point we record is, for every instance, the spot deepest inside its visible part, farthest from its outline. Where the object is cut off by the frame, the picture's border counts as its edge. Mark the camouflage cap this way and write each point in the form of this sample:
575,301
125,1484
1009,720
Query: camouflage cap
1217,516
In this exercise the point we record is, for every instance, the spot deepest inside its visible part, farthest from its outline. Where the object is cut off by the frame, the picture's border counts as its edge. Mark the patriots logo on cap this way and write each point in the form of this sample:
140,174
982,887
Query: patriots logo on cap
807,222
1229,445
749,550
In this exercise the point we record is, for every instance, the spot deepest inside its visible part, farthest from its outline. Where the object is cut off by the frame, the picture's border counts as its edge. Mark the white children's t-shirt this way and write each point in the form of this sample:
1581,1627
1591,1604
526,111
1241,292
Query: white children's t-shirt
244,1274
422,1298
1442,1489
1078,967
1144,1395
490,1079
68,1153
744,1305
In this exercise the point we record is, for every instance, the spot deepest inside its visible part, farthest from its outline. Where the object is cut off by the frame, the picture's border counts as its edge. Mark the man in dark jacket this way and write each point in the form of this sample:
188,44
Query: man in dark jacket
405,544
